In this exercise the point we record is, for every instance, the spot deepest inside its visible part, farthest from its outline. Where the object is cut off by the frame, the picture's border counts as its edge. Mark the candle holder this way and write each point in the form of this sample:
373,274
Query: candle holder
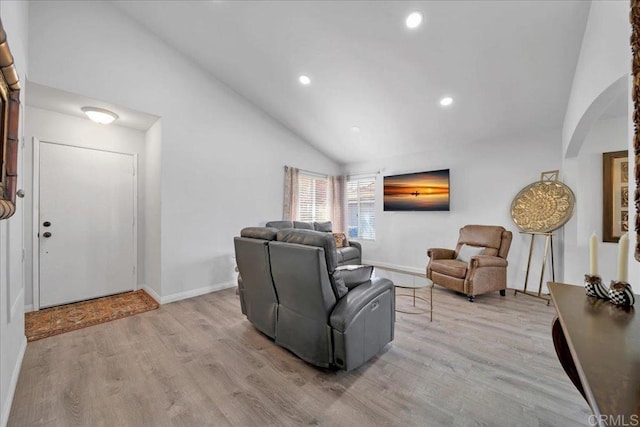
594,287
621,294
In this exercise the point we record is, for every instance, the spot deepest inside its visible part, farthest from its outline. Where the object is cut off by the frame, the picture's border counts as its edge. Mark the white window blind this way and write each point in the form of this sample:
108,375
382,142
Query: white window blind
361,207
312,197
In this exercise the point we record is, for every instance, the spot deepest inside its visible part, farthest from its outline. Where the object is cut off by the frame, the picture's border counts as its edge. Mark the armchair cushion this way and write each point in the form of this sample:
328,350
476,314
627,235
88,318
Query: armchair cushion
450,267
341,240
467,251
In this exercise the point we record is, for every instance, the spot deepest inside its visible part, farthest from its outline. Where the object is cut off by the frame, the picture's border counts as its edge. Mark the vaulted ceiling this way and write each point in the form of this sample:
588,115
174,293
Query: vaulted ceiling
508,65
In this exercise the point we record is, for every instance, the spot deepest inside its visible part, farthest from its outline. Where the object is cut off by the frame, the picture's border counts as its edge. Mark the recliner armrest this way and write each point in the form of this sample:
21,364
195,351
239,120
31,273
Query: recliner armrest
356,299
441,253
356,245
478,261
354,275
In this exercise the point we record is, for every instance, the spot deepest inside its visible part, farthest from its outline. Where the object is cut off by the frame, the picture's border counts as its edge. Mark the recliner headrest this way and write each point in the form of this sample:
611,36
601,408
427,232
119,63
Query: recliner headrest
313,238
264,233
280,224
301,225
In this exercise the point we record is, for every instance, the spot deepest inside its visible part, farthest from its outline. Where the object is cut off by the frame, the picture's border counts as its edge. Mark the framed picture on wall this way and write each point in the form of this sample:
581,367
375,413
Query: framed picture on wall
615,191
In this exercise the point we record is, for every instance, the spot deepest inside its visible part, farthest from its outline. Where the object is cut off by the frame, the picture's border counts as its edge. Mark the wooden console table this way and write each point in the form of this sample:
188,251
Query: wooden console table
598,345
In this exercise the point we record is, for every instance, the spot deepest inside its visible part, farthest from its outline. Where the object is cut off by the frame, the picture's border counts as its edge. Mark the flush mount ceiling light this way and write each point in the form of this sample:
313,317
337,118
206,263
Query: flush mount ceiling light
355,129
100,115
446,101
413,20
304,80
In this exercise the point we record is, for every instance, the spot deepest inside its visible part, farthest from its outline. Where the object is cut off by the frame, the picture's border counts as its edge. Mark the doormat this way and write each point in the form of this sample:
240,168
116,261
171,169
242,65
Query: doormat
70,317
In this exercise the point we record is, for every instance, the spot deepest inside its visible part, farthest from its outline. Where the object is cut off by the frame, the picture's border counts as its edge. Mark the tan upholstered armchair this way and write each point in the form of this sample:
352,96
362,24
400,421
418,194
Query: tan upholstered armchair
478,264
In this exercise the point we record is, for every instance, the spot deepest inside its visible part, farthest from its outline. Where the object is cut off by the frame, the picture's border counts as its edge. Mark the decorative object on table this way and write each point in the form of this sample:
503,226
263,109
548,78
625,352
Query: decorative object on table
423,191
620,293
539,209
592,282
594,287
615,191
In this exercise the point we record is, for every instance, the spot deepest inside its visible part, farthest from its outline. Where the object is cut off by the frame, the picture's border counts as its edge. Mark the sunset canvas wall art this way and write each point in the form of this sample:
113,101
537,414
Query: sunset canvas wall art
423,191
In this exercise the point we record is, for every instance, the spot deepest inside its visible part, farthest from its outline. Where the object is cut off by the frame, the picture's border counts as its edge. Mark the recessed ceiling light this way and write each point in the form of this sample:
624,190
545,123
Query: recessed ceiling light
305,80
100,115
446,101
355,129
414,20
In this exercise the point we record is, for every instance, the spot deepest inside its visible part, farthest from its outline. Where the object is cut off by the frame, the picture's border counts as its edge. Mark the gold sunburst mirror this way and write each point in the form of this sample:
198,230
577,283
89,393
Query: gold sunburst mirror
543,206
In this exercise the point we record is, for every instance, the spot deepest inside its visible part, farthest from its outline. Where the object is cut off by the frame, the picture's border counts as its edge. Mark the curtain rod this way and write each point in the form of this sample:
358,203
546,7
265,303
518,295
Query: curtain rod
365,173
307,171
378,172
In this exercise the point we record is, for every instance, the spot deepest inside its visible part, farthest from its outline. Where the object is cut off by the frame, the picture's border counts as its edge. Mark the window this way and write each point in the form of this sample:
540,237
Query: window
312,198
361,207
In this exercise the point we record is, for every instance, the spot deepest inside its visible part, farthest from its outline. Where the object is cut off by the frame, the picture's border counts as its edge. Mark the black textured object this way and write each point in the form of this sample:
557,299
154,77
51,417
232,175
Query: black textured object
594,287
620,293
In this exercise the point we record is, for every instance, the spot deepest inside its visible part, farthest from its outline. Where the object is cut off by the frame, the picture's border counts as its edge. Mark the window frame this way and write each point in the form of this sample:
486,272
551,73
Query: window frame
358,179
314,203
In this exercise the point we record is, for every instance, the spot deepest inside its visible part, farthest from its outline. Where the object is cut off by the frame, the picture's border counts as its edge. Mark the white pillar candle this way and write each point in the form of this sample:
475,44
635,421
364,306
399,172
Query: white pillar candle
593,255
623,255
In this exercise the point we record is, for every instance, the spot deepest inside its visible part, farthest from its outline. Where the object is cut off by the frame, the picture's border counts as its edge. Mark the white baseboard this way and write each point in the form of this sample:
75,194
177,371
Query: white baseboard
401,268
152,293
28,308
6,409
166,299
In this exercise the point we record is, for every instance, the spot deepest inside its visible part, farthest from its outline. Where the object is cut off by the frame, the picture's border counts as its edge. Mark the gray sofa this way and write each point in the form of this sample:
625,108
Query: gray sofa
292,289
351,255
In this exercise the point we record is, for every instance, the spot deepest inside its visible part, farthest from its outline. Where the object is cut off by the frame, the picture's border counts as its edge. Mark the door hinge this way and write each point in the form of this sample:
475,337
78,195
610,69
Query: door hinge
23,255
134,270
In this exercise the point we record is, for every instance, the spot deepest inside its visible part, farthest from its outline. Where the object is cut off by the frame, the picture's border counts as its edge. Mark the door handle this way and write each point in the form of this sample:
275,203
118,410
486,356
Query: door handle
47,235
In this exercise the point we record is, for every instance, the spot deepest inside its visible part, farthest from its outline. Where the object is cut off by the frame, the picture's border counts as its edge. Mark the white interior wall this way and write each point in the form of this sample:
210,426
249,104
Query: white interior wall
604,61
12,340
152,217
605,136
484,181
605,56
50,126
221,158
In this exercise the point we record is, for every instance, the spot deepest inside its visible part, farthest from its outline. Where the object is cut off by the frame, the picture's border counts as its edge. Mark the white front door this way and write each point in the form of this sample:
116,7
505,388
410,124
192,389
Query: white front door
86,223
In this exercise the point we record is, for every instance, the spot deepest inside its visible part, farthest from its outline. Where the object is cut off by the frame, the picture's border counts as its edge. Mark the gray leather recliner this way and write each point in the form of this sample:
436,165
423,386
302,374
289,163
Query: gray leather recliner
319,317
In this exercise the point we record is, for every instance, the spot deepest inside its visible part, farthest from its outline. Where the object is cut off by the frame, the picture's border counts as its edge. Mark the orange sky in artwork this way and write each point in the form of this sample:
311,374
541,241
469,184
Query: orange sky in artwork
421,183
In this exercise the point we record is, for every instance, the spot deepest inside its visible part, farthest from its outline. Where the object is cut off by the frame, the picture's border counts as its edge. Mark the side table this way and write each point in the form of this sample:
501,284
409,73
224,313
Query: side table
413,295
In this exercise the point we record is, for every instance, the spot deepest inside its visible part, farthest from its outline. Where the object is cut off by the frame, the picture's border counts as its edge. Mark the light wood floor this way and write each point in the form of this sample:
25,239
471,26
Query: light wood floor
200,362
